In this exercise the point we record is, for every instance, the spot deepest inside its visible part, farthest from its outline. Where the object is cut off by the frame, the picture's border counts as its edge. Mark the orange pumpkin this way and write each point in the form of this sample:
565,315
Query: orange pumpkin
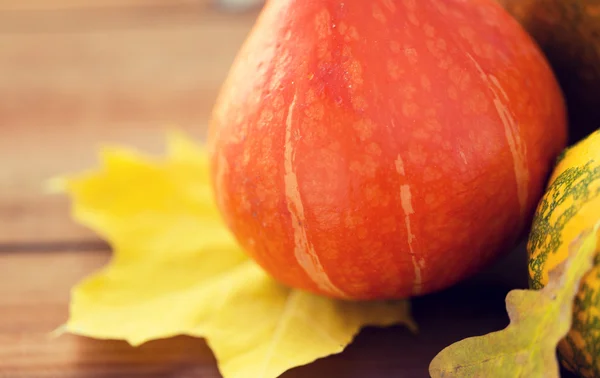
383,149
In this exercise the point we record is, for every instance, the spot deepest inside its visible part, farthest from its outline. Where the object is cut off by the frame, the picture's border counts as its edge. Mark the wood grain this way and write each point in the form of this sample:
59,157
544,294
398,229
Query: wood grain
43,5
34,294
63,92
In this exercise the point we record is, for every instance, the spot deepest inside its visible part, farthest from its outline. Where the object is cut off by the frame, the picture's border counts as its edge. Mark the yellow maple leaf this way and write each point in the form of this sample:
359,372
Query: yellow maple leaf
538,321
176,269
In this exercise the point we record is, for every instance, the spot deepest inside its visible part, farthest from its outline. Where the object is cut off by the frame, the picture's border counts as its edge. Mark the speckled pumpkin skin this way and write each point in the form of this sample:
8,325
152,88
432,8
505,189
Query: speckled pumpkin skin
383,149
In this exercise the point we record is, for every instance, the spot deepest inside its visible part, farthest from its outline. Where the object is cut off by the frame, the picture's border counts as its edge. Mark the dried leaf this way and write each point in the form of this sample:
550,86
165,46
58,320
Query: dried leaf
177,270
538,321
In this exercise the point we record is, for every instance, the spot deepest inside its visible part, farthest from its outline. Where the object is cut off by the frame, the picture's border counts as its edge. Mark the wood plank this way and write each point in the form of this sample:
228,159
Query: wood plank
43,5
35,356
34,294
85,20
93,5
34,287
62,94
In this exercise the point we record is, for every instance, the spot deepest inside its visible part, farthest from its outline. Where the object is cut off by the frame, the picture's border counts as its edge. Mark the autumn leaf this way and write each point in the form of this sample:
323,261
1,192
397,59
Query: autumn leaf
538,321
177,270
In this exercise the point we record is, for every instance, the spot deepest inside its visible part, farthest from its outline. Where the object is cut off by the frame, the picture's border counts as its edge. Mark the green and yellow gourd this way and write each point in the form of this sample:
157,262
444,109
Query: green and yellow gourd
570,205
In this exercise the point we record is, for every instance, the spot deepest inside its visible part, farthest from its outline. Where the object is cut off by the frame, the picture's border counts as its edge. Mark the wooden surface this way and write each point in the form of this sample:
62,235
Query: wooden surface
34,293
75,74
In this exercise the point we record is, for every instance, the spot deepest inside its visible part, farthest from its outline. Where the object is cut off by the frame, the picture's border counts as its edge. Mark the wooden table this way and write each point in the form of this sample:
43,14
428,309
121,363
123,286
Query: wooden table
75,74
